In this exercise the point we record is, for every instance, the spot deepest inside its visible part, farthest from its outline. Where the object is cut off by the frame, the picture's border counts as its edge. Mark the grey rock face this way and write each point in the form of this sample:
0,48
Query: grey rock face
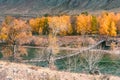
55,6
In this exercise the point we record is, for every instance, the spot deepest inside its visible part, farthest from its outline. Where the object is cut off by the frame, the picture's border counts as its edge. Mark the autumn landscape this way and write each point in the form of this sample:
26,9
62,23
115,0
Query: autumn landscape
59,40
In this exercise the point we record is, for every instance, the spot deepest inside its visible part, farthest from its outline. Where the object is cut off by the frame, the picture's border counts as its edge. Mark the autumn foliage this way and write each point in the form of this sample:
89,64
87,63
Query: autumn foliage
39,25
14,32
62,23
104,24
83,24
107,24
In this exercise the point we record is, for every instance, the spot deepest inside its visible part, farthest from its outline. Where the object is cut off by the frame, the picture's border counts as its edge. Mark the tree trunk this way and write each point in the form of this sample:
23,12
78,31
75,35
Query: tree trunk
52,62
14,52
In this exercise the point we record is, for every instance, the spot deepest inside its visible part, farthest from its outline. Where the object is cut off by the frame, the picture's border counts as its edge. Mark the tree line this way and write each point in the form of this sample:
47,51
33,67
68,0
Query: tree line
16,32
104,24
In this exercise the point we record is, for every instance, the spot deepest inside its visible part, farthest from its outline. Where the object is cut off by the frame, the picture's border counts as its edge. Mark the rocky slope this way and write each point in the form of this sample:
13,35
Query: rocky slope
55,6
14,71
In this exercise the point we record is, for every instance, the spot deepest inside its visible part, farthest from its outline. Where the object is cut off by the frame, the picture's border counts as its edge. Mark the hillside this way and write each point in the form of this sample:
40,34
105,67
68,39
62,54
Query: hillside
42,7
14,71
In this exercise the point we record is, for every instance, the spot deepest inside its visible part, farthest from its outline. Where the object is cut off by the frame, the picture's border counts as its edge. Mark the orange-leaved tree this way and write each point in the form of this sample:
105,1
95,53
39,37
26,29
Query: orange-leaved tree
14,33
66,27
39,25
62,24
113,30
104,24
83,23
117,21
94,25
107,24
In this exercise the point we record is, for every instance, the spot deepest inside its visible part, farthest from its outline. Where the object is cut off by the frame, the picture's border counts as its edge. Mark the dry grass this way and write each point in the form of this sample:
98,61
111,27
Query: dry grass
14,71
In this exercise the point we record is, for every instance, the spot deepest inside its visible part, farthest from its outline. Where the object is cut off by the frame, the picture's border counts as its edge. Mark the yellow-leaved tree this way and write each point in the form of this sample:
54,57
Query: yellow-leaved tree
83,23
62,24
34,23
107,24
94,25
104,24
65,28
113,30
14,33
117,21
39,25
53,47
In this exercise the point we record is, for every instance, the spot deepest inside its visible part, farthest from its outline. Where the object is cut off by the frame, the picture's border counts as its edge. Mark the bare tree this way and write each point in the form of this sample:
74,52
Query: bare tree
53,47
89,60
